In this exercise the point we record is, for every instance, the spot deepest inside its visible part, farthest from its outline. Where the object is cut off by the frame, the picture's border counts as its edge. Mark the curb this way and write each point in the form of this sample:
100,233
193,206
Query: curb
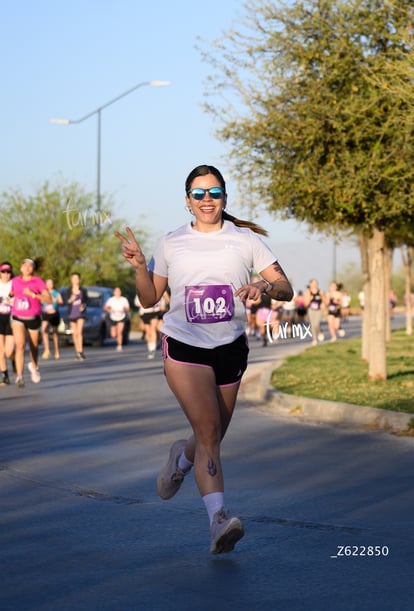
257,389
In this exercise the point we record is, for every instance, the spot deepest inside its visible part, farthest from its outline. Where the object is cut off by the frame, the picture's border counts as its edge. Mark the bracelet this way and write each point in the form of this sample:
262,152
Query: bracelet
269,286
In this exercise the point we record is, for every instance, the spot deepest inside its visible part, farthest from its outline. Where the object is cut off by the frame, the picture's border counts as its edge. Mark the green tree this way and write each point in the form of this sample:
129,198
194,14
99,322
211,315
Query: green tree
322,120
60,229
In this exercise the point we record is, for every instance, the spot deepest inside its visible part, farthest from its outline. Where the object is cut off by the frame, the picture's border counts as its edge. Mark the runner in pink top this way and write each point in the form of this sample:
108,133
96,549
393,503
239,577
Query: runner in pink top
26,297
29,292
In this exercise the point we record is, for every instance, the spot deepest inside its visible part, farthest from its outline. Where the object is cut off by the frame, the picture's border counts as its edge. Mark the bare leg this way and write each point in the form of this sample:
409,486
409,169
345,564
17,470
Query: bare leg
19,334
3,362
34,346
209,410
77,330
332,326
45,337
119,332
55,336
9,346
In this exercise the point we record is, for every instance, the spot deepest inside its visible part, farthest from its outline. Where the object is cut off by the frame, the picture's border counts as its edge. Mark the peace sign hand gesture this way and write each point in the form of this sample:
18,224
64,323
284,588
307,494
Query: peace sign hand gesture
131,250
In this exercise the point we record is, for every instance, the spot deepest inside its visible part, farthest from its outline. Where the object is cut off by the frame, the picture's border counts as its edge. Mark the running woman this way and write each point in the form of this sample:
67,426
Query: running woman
151,319
29,292
6,334
207,266
118,309
77,302
314,300
51,319
333,301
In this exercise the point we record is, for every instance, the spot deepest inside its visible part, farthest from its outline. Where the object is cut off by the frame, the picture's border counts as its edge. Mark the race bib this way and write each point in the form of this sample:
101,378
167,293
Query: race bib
22,304
209,303
49,308
5,308
76,309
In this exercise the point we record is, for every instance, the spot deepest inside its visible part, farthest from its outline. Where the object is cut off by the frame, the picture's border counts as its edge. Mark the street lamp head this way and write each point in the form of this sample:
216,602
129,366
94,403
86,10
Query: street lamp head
159,83
60,121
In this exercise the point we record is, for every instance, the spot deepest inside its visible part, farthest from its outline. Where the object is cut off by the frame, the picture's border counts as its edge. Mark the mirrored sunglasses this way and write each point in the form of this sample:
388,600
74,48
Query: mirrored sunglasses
214,193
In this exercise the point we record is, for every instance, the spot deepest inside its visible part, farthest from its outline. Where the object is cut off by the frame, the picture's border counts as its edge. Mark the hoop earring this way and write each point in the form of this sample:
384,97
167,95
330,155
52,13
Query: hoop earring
190,210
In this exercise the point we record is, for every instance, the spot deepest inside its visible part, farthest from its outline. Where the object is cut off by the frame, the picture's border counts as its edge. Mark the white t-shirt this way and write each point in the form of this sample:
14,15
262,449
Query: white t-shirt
5,290
119,306
290,306
204,270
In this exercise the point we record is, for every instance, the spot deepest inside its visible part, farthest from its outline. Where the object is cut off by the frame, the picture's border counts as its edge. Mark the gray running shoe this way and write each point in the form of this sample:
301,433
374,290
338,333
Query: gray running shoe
19,382
4,379
225,532
171,477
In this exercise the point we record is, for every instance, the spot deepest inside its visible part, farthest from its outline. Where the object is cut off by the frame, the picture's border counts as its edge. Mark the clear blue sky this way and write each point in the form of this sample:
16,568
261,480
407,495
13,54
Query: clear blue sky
65,59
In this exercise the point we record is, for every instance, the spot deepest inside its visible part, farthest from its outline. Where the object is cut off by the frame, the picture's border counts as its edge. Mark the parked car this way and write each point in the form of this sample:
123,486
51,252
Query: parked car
97,325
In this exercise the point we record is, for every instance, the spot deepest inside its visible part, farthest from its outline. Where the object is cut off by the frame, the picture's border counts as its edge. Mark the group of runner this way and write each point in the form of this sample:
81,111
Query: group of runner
310,306
21,301
29,310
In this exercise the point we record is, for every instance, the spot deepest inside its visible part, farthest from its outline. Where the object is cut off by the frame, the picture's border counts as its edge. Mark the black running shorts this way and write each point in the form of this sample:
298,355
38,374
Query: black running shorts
5,327
31,324
228,362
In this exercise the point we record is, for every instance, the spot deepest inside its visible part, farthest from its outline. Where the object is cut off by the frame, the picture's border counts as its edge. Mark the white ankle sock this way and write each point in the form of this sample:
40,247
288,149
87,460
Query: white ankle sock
213,502
184,464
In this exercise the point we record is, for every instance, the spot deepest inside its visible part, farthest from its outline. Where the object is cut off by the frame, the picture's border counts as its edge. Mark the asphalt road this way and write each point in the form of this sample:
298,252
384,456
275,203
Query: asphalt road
328,512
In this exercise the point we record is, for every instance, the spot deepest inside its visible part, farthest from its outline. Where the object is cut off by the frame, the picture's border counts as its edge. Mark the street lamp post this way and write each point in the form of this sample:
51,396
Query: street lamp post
98,113
334,245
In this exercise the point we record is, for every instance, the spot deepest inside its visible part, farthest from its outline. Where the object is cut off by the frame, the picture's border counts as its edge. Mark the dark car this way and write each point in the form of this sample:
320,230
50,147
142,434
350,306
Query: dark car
97,324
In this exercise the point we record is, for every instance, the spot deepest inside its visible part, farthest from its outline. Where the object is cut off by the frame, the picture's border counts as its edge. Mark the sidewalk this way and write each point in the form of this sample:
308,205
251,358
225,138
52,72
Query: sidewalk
256,387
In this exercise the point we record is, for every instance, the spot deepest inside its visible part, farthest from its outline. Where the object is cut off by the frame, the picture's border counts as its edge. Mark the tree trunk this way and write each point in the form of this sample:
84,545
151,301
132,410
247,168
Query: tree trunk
407,258
388,270
363,247
377,361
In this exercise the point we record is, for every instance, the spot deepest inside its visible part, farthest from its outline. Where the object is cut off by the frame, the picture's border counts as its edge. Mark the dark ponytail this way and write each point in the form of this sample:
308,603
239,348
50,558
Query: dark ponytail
240,223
